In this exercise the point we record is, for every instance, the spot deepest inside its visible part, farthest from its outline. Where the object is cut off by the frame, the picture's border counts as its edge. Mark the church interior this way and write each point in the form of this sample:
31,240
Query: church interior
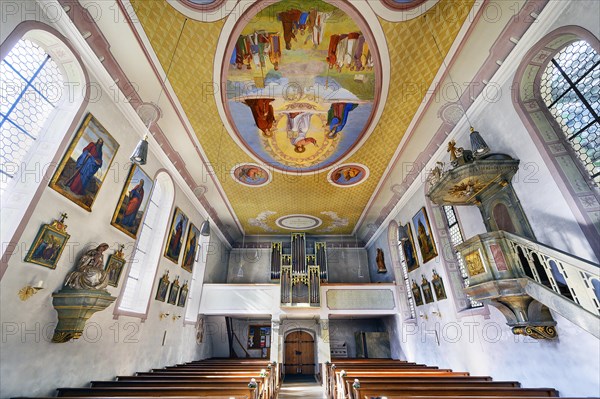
269,199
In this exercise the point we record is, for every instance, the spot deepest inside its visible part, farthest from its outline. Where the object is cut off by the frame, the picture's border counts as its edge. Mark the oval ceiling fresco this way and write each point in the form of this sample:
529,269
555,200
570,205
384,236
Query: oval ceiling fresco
302,82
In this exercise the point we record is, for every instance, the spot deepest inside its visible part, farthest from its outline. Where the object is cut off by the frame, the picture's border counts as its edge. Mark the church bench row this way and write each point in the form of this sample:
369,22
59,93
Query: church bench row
380,390
242,391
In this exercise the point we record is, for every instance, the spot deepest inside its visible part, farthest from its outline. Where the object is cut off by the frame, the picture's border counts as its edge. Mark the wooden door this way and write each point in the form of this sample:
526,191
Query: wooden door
299,353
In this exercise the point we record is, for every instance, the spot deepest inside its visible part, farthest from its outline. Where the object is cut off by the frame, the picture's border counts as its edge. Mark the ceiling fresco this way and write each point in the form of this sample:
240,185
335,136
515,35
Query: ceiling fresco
330,179
300,84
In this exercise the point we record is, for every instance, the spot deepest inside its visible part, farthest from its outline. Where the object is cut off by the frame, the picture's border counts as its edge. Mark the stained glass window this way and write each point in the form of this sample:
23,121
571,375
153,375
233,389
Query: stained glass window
456,237
30,89
570,87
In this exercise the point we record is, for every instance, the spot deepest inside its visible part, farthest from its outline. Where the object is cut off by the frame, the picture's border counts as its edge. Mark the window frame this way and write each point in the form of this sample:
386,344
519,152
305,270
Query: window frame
570,175
117,312
63,122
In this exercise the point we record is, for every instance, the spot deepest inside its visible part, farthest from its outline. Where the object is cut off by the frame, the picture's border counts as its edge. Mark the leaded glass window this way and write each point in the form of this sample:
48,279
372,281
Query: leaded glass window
30,89
570,87
456,237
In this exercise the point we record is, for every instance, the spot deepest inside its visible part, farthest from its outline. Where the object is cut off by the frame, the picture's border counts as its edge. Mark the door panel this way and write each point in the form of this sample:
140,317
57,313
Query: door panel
299,353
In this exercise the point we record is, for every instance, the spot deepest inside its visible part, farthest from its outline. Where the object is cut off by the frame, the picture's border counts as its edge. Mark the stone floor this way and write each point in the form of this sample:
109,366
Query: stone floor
301,389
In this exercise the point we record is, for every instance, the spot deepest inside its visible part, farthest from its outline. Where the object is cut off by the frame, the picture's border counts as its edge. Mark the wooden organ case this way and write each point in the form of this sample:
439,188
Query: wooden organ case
299,274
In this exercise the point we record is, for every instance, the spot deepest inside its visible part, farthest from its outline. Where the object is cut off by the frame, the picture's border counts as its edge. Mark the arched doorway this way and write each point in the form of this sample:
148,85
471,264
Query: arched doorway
299,353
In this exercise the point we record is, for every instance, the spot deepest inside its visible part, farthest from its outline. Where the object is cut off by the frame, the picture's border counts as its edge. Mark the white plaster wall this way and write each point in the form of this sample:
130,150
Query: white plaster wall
109,346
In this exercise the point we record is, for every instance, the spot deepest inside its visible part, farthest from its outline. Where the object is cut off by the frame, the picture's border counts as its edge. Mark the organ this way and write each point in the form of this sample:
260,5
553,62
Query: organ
299,274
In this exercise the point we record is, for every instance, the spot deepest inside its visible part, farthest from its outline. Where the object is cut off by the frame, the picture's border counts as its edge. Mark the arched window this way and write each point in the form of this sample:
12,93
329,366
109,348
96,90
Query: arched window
137,290
570,88
556,94
407,285
31,89
43,89
193,300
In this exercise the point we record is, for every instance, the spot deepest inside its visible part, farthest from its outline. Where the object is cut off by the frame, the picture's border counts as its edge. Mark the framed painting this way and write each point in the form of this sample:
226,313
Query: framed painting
174,292
438,286
183,294
200,329
175,237
416,290
115,265
191,248
49,244
408,247
424,235
163,287
133,201
426,287
84,167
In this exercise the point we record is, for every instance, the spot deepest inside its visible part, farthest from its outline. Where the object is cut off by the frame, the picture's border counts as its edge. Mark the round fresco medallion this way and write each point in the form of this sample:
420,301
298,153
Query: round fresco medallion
298,222
301,83
251,175
348,175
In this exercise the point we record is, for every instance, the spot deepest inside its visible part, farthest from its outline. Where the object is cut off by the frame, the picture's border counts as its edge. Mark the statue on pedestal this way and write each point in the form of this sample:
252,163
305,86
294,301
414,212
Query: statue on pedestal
89,274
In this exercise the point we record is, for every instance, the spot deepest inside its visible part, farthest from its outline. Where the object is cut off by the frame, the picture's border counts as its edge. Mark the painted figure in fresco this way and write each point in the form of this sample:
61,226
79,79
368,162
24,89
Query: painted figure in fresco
274,49
86,167
188,261
243,56
289,20
263,114
257,48
89,274
350,49
175,243
251,174
357,64
340,52
316,26
298,125
331,52
424,240
136,196
344,175
337,116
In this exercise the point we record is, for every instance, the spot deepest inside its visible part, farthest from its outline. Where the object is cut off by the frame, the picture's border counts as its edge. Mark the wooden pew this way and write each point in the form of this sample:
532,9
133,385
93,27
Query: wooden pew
362,393
244,392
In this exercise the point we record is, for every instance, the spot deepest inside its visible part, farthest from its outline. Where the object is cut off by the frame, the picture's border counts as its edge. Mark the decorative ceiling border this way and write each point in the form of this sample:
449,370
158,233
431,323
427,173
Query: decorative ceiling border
367,22
397,12
88,28
502,47
212,12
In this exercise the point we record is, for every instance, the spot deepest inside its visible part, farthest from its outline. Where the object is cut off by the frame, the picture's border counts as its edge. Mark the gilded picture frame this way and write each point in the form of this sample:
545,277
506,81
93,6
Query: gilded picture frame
115,264
416,290
190,251
163,287
410,252
48,245
438,286
175,238
424,235
183,294
426,287
134,199
174,292
83,168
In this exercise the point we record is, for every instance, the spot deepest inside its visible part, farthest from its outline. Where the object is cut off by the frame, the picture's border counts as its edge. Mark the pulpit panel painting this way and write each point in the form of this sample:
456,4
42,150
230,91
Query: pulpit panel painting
301,82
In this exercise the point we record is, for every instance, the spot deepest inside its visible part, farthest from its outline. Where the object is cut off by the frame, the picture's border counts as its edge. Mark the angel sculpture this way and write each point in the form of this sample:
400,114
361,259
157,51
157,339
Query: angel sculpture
89,274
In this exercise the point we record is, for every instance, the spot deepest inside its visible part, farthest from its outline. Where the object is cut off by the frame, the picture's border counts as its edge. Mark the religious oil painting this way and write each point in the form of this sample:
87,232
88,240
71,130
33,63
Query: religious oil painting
175,238
174,292
85,165
408,248
48,245
438,286
424,235
132,204
416,291
302,82
191,248
163,287
426,287
183,294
